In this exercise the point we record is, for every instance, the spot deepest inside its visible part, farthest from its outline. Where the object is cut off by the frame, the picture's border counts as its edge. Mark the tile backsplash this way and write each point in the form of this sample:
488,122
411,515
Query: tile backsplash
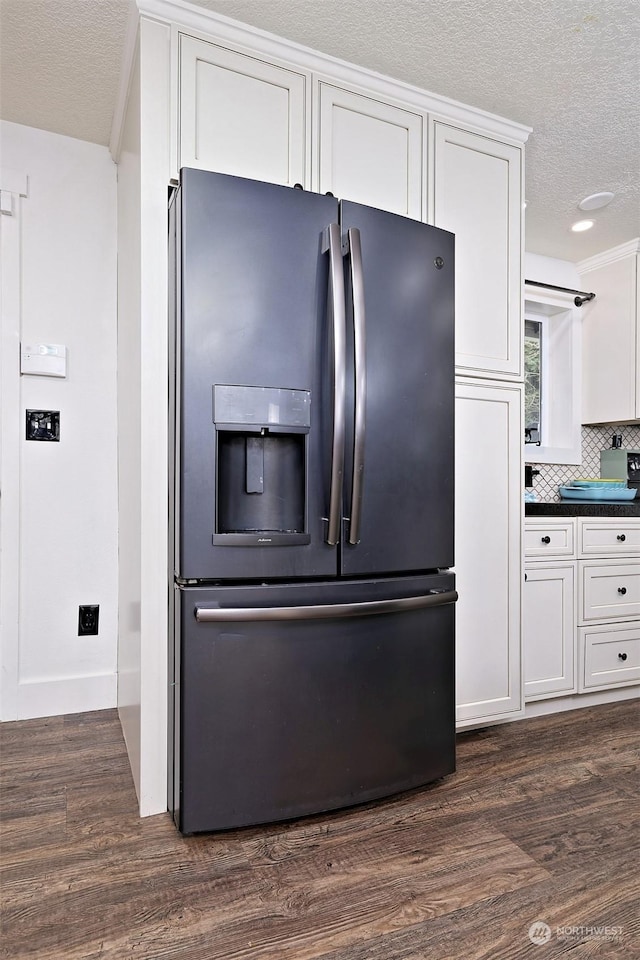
594,439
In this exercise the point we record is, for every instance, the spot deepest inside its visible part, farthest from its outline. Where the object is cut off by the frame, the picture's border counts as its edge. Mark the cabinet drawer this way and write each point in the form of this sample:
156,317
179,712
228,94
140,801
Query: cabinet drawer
543,538
609,538
609,590
609,655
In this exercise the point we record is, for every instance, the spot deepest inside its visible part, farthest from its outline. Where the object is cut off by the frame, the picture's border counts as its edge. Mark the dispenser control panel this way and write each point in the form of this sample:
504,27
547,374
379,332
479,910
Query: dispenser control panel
261,406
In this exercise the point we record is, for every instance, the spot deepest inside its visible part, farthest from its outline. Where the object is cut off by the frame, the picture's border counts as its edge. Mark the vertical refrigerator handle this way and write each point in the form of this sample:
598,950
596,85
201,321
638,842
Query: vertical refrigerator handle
338,309
359,326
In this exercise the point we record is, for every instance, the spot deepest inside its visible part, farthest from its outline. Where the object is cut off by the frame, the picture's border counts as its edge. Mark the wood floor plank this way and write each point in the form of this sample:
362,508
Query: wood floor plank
358,893
535,824
570,834
499,929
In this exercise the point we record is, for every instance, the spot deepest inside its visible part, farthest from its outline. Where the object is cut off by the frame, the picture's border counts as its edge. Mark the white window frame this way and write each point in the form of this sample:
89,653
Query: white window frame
560,375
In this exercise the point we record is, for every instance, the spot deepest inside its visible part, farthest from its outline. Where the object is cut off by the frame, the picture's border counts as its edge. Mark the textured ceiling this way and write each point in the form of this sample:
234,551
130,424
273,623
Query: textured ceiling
568,68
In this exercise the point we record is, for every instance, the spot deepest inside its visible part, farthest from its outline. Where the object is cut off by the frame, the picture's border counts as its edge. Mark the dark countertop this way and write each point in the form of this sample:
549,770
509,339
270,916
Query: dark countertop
583,508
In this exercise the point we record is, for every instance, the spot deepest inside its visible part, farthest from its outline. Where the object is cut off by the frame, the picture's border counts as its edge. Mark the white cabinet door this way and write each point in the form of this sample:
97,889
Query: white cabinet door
476,192
549,630
241,115
488,560
610,343
369,152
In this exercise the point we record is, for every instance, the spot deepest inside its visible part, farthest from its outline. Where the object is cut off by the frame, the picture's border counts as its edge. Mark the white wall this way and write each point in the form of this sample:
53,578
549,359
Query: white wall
561,273
68,490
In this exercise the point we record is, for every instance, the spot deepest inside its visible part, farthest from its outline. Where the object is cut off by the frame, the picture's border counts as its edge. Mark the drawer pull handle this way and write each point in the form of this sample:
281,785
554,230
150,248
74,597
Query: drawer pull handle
622,656
621,537
622,591
546,539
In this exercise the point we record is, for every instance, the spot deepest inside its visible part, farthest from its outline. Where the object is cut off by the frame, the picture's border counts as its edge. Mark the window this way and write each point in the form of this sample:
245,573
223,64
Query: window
552,343
532,381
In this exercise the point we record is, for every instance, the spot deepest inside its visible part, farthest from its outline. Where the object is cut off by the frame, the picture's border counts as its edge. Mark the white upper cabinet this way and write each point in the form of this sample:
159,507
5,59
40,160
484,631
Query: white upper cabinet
369,151
610,337
476,192
242,115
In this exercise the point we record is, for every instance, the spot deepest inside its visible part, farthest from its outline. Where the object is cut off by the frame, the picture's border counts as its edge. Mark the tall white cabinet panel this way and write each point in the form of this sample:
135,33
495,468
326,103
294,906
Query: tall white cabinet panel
488,551
369,151
549,628
241,115
476,192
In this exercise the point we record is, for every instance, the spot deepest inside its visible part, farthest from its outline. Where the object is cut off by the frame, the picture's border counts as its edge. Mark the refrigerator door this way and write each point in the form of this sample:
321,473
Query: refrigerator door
297,699
255,392
399,466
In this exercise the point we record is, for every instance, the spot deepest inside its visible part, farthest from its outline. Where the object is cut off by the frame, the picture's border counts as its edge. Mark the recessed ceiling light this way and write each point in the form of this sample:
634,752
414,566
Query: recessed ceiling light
596,201
582,225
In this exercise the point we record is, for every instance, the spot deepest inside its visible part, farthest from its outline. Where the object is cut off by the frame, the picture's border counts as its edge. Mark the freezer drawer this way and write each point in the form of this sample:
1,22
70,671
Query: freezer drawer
313,701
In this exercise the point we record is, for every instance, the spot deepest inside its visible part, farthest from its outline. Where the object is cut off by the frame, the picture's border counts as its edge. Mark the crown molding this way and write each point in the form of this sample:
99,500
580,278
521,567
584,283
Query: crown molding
217,28
609,256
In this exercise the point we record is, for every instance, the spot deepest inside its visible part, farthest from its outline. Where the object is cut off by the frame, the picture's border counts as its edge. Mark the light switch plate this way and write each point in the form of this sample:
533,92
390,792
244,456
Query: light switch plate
43,425
44,359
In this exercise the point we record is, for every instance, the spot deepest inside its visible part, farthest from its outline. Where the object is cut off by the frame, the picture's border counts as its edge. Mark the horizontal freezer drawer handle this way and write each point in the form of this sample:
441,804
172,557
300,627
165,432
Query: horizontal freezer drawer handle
324,610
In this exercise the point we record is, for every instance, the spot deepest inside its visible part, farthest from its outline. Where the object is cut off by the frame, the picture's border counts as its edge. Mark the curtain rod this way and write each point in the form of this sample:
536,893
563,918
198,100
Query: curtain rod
581,297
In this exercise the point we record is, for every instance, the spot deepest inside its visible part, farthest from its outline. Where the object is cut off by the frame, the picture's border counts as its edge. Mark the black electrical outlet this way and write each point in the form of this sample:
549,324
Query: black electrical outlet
88,621
43,425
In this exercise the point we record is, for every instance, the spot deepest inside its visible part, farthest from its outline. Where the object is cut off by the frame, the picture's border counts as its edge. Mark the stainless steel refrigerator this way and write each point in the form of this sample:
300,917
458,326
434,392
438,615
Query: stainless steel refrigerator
312,660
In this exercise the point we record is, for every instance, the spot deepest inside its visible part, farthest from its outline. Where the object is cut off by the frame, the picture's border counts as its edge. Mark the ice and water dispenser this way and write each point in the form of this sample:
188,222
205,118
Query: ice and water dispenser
261,464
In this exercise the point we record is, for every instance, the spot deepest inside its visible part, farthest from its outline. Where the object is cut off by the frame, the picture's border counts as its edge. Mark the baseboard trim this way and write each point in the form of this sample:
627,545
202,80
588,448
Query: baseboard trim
540,708
52,698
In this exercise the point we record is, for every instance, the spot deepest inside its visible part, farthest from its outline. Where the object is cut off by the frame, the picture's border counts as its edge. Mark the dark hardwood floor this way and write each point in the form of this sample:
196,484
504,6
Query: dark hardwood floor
540,823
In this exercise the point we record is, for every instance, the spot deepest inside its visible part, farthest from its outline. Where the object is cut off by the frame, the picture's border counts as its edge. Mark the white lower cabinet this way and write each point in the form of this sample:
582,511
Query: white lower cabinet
609,590
548,538
608,603
581,621
488,551
609,655
549,629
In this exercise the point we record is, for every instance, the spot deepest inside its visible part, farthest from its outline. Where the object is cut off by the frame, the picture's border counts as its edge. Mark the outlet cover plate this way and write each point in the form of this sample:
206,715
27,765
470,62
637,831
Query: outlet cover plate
88,615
